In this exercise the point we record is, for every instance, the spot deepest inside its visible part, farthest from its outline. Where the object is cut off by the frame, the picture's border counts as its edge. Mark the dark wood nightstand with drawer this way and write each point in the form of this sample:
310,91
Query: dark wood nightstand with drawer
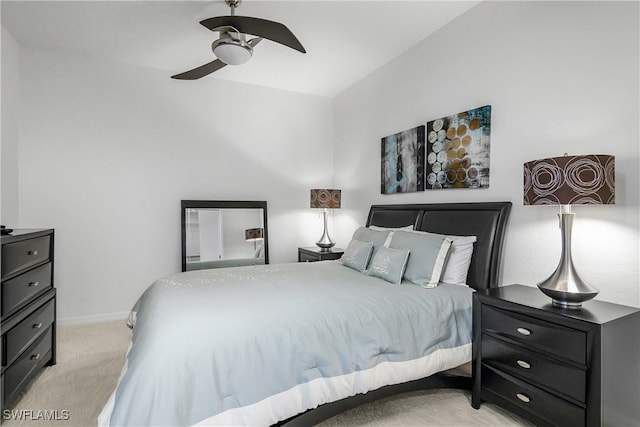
312,254
556,366
28,309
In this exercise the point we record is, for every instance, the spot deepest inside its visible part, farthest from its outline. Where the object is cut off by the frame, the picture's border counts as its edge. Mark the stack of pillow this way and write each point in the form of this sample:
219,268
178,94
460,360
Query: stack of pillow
404,255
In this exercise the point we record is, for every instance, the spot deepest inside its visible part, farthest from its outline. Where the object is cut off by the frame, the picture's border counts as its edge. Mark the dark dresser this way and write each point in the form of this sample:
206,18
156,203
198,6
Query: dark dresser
28,309
556,366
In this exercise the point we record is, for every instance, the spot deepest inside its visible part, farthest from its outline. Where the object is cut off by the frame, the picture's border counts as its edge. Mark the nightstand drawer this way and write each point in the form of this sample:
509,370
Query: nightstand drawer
531,399
530,366
20,255
25,333
543,336
303,257
21,289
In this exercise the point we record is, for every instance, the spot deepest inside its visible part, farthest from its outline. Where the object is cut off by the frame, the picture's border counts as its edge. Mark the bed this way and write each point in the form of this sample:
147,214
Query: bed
258,259
293,344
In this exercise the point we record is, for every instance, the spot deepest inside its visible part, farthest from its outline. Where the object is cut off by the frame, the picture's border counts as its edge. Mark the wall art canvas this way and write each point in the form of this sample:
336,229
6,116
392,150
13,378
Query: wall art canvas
402,168
457,150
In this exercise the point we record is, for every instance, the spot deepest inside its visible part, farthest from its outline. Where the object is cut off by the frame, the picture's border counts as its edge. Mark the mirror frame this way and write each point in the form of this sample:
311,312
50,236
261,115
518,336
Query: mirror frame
222,204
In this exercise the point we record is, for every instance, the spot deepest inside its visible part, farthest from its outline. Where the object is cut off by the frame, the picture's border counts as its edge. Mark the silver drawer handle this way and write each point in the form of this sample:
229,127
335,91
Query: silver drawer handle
523,364
33,252
524,331
37,325
34,284
523,397
35,356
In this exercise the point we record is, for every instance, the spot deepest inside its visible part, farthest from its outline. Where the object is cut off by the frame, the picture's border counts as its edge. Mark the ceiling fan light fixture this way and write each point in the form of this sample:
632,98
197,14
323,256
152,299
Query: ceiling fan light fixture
232,48
232,52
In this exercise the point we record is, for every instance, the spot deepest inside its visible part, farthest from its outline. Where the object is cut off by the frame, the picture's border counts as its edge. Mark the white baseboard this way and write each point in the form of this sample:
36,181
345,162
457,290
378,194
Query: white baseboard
94,318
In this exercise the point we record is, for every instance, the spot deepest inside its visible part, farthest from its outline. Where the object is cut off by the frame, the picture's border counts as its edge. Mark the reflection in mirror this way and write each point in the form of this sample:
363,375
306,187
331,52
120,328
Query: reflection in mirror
218,234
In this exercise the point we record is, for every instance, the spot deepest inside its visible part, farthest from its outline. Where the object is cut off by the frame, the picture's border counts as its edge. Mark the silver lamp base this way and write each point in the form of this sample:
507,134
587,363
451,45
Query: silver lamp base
566,299
564,286
325,243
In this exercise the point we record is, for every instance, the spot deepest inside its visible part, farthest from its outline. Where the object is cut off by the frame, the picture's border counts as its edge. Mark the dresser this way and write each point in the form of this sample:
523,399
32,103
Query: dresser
28,308
556,366
312,254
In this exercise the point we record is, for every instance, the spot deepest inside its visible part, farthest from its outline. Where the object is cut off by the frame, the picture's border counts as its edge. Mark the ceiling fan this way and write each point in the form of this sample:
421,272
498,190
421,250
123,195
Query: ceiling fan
232,48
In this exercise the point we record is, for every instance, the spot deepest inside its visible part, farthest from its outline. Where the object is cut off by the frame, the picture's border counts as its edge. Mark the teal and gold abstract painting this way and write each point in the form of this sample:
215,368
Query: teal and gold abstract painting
457,150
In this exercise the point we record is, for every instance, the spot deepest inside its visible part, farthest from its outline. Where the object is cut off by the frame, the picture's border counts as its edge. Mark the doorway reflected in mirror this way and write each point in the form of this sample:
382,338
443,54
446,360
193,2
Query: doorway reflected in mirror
217,234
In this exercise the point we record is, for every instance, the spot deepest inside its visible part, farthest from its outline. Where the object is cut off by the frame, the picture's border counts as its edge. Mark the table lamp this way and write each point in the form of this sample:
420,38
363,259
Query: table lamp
253,235
325,199
567,181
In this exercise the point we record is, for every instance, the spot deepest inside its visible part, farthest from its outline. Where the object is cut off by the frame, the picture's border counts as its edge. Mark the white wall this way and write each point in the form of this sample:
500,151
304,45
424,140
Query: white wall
10,89
561,77
107,151
210,237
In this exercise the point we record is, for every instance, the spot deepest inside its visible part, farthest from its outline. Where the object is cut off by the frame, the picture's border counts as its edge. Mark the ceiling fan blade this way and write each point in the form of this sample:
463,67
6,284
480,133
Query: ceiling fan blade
264,28
201,71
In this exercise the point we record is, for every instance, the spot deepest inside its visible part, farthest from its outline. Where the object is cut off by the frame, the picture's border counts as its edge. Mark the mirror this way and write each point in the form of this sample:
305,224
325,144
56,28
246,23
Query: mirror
217,234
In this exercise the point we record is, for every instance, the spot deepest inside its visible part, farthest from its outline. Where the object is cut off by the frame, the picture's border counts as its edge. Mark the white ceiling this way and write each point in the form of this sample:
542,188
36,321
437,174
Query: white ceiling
345,40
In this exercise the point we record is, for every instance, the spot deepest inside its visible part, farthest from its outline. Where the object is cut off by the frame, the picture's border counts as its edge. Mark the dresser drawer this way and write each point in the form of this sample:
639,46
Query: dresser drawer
28,331
20,255
531,399
25,368
543,336
530,366
21,289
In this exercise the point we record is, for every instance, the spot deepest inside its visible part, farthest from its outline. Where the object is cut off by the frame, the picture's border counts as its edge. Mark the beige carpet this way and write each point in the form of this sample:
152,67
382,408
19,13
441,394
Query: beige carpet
90,358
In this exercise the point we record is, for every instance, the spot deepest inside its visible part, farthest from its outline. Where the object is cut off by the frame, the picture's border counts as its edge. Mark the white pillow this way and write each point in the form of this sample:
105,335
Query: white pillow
457,267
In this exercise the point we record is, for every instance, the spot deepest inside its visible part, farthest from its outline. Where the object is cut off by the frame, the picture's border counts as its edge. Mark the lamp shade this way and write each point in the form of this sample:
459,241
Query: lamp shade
325,198
253,234
570,180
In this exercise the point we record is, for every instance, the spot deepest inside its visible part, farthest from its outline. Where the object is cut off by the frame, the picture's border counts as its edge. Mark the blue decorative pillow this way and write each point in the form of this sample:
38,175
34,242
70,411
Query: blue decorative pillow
428,256
357,255
391,230
378,228
389,264
376,237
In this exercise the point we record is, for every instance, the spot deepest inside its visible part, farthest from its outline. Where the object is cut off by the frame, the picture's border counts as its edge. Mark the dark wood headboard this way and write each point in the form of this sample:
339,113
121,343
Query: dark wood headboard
487,221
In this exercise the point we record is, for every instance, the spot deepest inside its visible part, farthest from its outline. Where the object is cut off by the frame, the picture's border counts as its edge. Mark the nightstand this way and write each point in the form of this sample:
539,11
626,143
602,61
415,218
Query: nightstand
556,366
312,254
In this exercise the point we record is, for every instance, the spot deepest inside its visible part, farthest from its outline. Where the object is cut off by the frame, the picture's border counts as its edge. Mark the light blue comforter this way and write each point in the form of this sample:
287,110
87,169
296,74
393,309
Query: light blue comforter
209,341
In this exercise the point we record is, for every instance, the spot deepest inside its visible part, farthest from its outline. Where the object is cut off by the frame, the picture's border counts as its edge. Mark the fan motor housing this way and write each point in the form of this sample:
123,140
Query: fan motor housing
230,50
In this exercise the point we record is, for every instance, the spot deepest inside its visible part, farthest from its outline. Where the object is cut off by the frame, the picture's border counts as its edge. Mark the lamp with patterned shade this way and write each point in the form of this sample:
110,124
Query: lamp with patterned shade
253,235
325,199
566,181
